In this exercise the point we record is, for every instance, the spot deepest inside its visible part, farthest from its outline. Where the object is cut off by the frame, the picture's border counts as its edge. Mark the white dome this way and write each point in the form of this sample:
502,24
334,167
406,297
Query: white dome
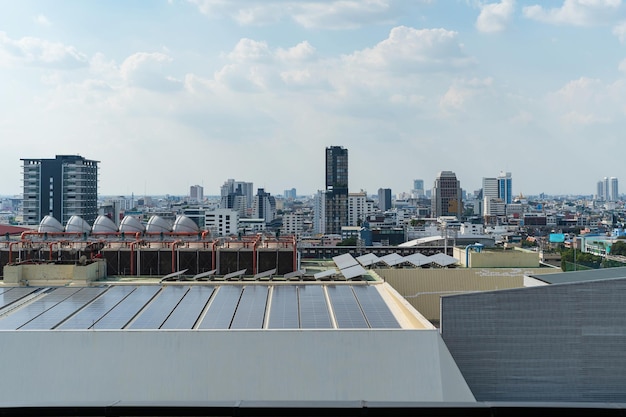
157,224
103,225
130,224
184,224
50,225
77,225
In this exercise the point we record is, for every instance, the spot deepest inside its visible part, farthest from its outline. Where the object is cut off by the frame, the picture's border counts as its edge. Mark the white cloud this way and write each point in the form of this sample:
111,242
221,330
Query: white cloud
494,17
622,65
335,14
248,50
42,20
575,12
619,30
408,49
39,52
147,70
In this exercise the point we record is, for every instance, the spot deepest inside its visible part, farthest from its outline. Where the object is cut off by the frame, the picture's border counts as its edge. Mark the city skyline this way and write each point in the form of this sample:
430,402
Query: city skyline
194,92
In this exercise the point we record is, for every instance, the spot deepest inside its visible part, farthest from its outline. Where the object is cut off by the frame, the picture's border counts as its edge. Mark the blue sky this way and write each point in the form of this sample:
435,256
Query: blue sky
167,94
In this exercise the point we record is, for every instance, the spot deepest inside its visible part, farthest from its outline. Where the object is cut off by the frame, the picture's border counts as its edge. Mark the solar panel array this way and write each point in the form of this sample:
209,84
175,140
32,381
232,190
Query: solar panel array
226,306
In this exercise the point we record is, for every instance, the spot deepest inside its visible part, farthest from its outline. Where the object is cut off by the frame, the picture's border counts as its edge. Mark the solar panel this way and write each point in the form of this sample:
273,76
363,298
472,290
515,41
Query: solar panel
354,271
348,314
173,275
235,274
374,307
155,313
14,294
205,274
284,308
251,309
295,274
97,308
368,259
345,261
314,313
189,309
220,313
28,312
325,274
392,259
417,259
442,259
119,316
55,315
265,274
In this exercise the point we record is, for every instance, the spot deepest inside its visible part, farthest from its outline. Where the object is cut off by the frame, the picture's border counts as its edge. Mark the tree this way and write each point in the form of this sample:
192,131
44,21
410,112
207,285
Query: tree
351,241
618,248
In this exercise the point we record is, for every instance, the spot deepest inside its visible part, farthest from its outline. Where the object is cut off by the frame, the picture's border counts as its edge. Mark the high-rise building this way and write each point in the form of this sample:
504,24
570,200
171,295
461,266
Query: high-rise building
384,199
607,192
264,206
600,190
290,194
196,193
418,188
237,195
359,207
614,189
505,184
319,212
336,189
62,187
446,195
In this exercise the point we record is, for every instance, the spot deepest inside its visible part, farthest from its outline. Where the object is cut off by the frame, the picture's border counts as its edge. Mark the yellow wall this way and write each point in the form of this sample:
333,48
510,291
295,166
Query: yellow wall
423,288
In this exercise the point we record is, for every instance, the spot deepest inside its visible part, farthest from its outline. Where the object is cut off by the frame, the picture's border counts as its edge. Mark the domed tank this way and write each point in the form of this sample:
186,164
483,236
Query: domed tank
76,224
50,225
130,224
158,224
103,225
184,224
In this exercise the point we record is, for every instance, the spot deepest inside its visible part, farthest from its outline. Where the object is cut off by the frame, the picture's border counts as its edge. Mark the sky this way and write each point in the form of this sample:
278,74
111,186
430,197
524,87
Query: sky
168,94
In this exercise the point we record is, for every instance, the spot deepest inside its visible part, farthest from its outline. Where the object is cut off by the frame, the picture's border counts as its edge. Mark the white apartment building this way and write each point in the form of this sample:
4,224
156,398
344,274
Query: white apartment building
319,212
222,222
359,207
293,224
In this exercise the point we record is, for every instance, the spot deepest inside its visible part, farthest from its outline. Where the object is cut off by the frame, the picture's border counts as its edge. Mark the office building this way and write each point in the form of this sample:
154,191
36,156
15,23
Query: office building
446,196
222,222
336,189
384,199
614,189
62,187
264,206
196,193
290,194
505,184
359,207
418,189
237,195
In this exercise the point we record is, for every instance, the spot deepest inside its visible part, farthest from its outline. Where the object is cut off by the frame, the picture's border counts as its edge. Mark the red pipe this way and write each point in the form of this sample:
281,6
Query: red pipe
11,251
213,253
132,256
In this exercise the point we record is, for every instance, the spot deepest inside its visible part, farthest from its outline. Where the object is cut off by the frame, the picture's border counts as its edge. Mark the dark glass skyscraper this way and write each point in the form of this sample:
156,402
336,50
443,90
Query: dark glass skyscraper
336,206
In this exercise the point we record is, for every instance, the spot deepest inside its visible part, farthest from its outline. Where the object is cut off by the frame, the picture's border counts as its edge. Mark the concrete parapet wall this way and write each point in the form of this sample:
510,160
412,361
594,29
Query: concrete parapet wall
19,274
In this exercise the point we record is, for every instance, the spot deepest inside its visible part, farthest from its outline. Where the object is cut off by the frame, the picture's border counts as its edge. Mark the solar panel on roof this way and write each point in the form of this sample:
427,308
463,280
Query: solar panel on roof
57,314
294,274
442,259
98,308
28,312
353,272
189,309
392,259
265,274
14,294
251,309
368,259
119,316
348,314
325,274
155,313
220,313
235,274
284,308
205,274
417,259
374,307
314,312
344,261
173,275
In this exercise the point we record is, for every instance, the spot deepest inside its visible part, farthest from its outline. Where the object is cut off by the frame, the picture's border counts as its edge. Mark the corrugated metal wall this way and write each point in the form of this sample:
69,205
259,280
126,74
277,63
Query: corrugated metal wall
551,343
423,288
